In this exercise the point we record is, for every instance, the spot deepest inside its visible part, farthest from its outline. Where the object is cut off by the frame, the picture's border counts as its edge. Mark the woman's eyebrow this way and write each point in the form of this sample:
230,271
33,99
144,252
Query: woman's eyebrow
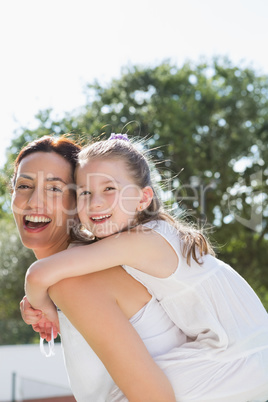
25,176
56,179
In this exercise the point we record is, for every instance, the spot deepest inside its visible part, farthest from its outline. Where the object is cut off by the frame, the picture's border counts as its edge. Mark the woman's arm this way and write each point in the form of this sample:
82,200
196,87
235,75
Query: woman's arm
94,311
142,249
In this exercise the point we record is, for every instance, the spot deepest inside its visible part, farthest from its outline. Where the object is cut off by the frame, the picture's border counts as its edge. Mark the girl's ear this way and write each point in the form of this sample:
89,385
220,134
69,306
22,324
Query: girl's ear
146,198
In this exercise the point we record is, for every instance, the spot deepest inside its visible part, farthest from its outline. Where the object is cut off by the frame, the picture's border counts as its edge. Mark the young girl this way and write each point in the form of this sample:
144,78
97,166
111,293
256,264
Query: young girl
225,355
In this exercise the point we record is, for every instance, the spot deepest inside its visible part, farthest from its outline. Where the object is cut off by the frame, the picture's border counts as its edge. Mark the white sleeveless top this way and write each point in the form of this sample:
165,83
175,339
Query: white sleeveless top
89,379
226,357
211,303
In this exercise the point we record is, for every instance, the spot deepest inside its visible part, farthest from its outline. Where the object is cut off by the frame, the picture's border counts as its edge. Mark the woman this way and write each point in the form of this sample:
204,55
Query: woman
43,204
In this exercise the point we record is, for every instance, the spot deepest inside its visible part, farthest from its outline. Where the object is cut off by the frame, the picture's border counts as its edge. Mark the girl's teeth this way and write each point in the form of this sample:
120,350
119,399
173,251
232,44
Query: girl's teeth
99,218
37,219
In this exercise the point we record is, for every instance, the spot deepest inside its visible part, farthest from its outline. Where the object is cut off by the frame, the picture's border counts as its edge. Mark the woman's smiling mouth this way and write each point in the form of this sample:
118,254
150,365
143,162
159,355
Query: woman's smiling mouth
35,223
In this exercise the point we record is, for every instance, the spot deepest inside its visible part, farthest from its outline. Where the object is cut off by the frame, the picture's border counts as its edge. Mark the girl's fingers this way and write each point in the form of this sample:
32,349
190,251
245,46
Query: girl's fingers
29,314
44,329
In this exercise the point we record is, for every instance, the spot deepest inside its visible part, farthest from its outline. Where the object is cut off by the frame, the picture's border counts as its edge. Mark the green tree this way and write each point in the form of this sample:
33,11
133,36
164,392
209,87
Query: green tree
206,126
14,260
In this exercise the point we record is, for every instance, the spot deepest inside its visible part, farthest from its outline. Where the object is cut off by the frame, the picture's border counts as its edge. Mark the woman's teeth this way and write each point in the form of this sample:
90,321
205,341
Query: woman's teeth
37,219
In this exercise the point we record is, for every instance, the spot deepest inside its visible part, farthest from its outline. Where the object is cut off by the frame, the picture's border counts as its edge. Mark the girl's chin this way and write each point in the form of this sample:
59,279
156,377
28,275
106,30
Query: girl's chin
102,235
101,231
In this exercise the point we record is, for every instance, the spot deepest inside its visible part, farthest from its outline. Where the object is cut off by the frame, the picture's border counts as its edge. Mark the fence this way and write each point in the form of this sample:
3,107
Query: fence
26,375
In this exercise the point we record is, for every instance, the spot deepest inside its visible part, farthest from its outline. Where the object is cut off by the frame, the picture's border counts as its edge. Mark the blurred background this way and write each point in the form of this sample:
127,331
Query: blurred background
190,76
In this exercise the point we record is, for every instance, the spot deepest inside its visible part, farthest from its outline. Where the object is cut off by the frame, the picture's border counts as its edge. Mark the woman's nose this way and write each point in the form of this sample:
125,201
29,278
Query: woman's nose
36,199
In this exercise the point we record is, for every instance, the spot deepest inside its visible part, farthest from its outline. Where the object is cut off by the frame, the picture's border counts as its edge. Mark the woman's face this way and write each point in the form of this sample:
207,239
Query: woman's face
43,202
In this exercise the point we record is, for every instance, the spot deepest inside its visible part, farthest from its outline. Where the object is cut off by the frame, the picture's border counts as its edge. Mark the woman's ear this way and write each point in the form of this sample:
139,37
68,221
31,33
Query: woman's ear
146,198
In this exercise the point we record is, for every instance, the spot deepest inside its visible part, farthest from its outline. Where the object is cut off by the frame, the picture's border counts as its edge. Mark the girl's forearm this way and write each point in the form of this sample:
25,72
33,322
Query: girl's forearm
38,297
36,292
44,273
67,264
83,260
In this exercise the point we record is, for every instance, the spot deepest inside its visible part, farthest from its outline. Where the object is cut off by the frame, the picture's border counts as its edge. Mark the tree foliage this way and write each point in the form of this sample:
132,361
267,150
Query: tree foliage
207,128
14,260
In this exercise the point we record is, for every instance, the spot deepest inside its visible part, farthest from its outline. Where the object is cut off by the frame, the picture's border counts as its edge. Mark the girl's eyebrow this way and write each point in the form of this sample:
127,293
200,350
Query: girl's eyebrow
103,183
110,181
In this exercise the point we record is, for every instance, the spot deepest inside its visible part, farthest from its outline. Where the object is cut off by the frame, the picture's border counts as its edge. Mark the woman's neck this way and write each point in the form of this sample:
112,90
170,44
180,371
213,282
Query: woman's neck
50,250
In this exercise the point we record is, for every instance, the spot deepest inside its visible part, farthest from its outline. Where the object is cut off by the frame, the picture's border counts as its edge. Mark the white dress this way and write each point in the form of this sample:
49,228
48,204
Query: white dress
226,357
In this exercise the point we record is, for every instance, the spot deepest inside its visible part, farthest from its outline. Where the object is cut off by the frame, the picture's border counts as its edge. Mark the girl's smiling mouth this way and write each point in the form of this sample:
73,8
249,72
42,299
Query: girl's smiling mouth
100,218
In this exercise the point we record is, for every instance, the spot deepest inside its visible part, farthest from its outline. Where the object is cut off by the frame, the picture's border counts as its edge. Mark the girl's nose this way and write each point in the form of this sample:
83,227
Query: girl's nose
96,201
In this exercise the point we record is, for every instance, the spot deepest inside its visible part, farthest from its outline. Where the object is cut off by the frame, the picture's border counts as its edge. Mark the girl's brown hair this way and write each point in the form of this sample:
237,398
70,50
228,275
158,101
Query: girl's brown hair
195,244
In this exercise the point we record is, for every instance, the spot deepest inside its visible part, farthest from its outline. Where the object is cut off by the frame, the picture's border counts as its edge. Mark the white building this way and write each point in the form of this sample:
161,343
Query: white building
26,374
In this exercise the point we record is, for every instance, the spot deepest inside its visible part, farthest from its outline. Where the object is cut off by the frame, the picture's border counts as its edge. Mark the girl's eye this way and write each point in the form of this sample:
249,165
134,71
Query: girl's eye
109,188
85,192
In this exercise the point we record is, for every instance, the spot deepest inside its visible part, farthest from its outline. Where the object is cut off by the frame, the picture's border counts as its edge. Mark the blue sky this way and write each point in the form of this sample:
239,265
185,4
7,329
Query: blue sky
50,49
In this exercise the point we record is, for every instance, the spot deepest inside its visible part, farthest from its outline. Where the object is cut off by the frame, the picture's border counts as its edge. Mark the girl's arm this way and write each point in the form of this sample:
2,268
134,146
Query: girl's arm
145,250
94,310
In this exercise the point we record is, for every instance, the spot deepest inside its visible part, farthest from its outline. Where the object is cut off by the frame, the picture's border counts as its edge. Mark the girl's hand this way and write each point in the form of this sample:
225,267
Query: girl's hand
50,320
41,322
44,327
29,315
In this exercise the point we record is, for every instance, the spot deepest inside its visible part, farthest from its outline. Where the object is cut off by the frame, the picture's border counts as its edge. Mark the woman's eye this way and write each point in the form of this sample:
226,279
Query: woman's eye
23,187
55,189
109,188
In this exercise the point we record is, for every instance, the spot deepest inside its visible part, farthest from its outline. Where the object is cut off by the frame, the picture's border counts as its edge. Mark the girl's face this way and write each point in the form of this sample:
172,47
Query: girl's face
43,202
107,197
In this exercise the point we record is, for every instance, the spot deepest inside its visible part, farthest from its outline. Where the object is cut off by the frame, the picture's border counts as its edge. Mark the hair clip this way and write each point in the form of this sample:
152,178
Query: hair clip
114,136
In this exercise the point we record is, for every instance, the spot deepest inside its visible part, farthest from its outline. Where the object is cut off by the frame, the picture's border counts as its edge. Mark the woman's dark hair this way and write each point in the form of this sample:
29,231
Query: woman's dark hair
62,146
